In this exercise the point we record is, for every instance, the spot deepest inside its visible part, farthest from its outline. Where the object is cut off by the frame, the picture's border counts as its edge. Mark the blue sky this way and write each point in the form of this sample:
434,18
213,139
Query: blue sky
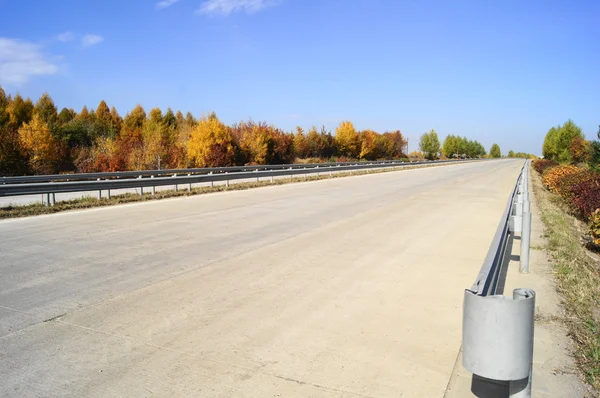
496,71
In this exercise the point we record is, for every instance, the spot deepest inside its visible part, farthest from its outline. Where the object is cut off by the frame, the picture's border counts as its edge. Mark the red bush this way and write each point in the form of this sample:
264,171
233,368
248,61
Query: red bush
585,196
542,164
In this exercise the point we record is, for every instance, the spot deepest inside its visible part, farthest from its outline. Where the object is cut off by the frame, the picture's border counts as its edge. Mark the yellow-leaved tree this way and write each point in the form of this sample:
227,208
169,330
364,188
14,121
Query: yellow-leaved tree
368,145
347,140
41,149
257,143
211,144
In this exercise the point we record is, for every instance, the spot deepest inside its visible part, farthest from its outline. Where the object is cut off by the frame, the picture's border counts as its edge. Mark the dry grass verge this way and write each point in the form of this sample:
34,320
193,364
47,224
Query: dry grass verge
89,202
578,275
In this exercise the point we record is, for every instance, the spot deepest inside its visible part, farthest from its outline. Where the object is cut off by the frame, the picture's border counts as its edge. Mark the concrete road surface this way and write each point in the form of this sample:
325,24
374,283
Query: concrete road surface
343,287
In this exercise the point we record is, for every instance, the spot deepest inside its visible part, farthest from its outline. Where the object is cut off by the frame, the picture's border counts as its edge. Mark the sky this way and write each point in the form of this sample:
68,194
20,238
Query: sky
495,71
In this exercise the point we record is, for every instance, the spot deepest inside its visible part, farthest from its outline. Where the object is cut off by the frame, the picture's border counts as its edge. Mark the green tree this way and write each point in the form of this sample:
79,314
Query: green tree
495,151
558,143
511,154
450,147
430,145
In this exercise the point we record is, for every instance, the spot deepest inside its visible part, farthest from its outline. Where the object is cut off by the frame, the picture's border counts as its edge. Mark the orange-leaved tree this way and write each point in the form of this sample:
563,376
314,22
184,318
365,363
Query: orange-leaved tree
210,144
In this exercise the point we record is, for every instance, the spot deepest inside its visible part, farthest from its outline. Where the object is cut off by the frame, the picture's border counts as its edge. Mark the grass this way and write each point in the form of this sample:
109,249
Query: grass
578,276
90,202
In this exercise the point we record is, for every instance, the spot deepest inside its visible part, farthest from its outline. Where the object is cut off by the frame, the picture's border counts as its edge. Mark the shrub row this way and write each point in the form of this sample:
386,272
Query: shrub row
542,164
578,186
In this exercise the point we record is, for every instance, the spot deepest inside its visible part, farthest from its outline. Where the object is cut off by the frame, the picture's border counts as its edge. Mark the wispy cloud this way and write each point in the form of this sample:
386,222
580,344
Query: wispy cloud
65,36
90,40
226,7
166,3
20,60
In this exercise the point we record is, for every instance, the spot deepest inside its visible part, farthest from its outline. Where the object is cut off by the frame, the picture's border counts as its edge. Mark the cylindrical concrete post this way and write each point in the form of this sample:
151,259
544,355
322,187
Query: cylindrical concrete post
108,194
52,199
227,183
272,179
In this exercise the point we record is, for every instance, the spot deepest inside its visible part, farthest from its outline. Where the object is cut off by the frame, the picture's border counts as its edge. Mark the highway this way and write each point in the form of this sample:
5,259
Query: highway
343,287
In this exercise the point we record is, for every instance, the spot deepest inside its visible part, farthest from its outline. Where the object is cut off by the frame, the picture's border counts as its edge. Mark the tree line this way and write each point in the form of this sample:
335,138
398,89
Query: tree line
454,146
567,144
37,138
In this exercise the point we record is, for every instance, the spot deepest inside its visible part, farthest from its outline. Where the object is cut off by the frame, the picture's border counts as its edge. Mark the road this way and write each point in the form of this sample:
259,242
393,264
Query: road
342,287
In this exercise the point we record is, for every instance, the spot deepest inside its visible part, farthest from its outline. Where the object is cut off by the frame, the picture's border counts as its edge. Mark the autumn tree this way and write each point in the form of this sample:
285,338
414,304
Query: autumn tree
13,113
301,148
393,146
46,110
429,144
368,145
579,149
211,144
20,111
347,140
283,147
39,145
257,143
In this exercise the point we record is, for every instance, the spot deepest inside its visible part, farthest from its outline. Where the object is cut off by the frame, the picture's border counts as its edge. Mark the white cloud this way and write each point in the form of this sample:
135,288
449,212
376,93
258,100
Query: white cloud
226,7
166,3
20,60
66,36
90,40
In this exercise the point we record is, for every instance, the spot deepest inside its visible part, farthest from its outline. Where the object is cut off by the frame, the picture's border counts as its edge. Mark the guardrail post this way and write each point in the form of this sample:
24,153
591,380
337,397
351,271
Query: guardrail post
272,180
153,187
141,188
526,223
498,338
522,388
108,194
52,199
99,192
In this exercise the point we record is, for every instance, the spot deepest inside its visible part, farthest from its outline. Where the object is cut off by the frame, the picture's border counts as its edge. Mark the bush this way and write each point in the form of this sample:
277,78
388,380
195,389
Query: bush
552,177
585,197
542,164
595,227
564,184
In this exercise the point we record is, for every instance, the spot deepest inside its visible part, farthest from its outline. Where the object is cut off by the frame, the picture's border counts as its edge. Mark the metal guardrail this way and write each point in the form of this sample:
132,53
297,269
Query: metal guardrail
15,186
498,330
166,172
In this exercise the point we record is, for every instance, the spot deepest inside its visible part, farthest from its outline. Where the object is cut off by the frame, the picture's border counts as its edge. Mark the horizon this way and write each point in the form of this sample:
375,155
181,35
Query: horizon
454,68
